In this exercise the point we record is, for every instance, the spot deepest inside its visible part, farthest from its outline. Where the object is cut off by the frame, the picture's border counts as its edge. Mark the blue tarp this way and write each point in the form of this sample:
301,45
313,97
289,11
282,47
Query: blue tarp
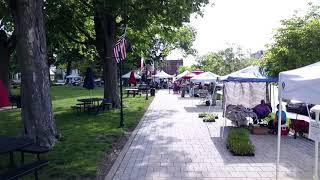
249,74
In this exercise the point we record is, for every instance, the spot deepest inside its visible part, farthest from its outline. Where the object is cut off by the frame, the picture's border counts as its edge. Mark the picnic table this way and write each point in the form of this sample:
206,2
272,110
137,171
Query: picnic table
11,144
92,104
132,91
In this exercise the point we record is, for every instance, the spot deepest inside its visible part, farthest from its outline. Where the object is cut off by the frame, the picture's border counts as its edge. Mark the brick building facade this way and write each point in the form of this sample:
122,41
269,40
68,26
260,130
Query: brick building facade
171,66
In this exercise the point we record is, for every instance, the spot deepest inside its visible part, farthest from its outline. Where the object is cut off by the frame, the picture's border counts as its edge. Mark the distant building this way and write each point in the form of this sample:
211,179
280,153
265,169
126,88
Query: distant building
171,66
257,55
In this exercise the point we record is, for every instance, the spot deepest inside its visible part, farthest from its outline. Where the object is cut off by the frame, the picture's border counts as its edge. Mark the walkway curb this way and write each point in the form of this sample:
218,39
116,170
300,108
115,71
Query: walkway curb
126,147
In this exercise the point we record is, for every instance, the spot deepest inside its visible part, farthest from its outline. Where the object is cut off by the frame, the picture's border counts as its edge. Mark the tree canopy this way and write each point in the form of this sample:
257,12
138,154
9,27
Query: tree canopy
225,61
296,43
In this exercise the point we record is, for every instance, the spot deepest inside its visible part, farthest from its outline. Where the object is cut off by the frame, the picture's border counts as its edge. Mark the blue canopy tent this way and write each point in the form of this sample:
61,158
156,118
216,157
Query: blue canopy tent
249,74
246,87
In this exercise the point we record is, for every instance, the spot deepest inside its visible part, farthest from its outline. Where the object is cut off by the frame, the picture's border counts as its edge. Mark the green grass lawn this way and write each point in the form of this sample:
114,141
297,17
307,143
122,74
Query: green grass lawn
84,141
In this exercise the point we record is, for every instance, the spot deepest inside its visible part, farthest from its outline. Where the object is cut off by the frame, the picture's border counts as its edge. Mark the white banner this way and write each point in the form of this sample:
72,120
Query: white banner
248,94
314,130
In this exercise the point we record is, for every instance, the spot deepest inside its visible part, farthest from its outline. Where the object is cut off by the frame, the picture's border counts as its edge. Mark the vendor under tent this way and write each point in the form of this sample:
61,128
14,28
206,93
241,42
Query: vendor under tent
246,87
163,75
302,84
179,76
206,77
127,76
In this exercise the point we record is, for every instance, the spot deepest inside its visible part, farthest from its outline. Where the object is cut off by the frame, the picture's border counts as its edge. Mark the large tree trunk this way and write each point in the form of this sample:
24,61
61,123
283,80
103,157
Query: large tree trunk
5,52
105,32
32,55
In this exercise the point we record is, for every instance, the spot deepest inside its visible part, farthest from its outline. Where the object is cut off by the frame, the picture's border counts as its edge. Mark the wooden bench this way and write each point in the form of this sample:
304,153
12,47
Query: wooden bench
14,174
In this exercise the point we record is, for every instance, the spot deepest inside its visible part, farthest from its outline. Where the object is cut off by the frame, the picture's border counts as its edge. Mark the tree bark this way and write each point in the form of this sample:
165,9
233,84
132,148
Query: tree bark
32,55
5,53
105,27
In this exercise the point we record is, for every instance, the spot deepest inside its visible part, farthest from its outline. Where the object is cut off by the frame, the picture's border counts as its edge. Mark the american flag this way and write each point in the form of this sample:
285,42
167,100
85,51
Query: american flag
142,63
119,50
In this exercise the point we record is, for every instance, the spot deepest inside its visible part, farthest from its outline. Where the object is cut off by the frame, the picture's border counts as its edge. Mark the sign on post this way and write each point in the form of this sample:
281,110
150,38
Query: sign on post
314,130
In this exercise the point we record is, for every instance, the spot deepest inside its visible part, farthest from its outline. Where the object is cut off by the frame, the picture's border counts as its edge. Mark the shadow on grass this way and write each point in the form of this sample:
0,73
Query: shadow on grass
85,137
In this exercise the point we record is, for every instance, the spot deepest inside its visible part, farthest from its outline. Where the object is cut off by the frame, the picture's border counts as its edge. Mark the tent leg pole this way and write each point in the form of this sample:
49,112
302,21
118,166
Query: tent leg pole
224,111
274,99
279,134
223,127
316,160
316,152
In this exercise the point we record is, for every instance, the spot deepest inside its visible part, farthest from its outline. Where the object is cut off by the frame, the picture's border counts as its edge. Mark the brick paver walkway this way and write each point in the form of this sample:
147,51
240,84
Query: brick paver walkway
173,143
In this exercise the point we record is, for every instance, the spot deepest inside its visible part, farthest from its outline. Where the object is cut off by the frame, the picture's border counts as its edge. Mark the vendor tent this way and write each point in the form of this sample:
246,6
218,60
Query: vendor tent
302,84
4,100
206,77
189,75
127,76
72,76
179,76
197,71
162,75
245,87
249,74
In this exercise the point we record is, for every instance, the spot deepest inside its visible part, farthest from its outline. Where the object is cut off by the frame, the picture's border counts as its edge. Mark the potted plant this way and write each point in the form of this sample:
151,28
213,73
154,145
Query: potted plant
238,142
210,118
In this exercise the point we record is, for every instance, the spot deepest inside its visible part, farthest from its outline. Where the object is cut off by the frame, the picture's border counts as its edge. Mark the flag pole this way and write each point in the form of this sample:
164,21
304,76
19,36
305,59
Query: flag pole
121,59
121,95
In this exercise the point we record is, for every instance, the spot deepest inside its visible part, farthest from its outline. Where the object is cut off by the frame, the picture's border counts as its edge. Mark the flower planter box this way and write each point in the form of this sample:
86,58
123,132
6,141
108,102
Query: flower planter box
258,130
238,142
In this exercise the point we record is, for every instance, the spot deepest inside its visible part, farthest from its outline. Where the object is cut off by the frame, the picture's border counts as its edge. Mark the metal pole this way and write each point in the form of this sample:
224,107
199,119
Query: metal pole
121,95
224,111
279,133
316,151
316,160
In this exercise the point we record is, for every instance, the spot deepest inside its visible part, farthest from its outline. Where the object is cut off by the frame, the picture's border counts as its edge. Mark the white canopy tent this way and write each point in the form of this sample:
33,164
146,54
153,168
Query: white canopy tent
127,76
51,72
206,77
72,76
162,75
302,84
179,76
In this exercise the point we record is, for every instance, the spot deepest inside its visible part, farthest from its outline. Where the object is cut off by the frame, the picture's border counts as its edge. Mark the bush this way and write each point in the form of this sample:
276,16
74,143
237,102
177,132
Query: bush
239,143
210,118
202,115
272,116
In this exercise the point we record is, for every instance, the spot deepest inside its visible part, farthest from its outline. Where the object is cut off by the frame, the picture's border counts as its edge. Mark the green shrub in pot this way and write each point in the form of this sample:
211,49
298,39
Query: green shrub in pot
238,142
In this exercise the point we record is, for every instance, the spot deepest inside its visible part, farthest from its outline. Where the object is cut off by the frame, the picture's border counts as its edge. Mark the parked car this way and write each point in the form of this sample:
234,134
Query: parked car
300,108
